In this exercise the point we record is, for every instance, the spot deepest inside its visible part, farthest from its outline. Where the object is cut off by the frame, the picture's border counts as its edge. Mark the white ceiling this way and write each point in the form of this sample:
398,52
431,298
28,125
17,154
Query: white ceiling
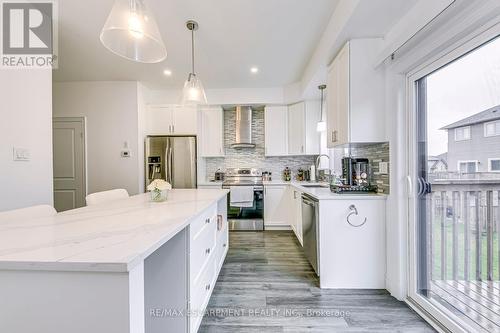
278,36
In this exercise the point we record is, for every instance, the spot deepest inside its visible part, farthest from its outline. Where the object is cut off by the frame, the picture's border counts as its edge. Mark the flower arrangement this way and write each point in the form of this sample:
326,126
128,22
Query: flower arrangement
159,189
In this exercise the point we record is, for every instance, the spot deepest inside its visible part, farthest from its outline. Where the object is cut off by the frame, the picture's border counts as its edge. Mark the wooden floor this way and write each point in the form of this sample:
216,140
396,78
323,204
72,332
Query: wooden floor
475,302
267,285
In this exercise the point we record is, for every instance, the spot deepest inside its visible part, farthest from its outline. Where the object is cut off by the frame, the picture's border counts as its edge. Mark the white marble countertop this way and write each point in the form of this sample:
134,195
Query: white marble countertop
112,237
324,193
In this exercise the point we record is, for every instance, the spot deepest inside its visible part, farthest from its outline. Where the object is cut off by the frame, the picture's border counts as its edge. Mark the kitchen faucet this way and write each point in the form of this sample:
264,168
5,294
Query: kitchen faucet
317,164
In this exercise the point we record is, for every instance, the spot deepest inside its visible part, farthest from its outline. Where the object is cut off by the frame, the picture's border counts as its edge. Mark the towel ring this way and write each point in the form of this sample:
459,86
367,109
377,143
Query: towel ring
354,211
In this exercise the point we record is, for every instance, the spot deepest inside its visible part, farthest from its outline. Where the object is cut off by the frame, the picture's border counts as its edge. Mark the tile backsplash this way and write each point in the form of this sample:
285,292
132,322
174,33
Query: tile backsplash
252,157
375,153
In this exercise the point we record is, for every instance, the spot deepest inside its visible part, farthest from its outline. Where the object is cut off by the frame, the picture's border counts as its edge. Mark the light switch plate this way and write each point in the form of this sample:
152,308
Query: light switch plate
21,154
383,168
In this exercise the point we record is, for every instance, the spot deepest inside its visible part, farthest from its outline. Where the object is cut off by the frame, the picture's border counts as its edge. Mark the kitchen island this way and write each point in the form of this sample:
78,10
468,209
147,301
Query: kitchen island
130,265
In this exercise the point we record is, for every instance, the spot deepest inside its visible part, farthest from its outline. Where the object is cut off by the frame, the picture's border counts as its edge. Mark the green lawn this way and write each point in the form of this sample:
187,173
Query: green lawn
436,271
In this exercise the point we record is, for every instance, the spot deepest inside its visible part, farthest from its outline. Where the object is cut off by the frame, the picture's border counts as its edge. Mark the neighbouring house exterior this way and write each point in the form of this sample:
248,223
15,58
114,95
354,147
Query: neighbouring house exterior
474,143
437,163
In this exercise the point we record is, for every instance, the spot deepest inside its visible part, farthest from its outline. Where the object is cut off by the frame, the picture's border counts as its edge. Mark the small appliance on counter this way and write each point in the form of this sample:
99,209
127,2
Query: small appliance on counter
287,174
355,171
219,175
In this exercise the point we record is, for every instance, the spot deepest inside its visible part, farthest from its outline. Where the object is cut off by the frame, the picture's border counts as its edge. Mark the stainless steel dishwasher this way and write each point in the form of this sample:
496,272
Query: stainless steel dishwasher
310,228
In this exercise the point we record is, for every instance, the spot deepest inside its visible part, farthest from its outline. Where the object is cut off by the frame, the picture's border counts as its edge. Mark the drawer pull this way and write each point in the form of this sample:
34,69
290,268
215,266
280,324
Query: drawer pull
207,251
207,287
207,221
219,222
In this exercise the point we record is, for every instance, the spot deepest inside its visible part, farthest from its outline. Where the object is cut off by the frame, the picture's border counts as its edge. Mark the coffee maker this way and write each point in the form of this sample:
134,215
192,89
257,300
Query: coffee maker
355,171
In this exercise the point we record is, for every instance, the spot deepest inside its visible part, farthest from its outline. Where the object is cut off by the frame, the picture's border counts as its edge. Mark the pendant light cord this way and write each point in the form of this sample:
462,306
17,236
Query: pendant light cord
192,51
321,106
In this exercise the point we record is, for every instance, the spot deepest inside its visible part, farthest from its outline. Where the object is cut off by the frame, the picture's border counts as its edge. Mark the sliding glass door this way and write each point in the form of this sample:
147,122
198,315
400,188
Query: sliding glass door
455,210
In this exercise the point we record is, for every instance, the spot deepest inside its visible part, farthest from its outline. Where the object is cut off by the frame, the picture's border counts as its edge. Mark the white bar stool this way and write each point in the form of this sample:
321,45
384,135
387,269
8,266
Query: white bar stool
106,196
27,213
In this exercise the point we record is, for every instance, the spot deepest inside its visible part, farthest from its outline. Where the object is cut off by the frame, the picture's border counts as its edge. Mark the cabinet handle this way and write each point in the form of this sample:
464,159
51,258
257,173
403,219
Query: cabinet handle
219,222
207,287
207,251
334,136
207,221
173,129
224,245
302,149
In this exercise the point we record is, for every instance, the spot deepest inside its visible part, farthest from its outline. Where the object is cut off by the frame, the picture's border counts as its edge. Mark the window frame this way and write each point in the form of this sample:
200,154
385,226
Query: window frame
489,164
488,123
462,128
476,162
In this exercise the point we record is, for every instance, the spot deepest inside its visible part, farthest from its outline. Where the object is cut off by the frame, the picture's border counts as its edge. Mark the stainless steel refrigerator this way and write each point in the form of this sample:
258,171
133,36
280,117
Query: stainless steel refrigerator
172,158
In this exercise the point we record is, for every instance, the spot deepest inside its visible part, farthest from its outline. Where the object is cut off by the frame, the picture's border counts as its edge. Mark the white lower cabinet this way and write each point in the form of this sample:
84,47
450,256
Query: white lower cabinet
352,256
207,250
276,206
295,212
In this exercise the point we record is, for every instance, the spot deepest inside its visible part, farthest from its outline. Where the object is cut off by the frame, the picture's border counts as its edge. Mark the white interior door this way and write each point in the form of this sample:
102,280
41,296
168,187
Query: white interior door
69,163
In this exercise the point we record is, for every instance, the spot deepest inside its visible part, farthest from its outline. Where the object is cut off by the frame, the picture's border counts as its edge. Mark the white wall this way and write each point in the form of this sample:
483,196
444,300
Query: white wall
111,110
26,122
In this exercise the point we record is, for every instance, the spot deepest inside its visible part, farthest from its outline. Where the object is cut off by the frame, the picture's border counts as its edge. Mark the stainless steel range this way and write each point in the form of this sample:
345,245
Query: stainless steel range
245,202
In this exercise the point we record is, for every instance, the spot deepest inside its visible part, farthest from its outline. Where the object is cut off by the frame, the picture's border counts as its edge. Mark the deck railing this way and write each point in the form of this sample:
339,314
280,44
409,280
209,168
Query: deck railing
465,225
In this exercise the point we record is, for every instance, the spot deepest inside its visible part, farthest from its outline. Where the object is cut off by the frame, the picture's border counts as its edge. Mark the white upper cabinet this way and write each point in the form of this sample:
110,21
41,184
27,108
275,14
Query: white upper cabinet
184,120
275,123
312,136
303,137
356,95
171,120
211,130
296,129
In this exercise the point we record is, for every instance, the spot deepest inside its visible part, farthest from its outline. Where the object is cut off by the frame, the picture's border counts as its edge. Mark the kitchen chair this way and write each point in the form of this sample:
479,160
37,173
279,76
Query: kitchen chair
27,213
106,196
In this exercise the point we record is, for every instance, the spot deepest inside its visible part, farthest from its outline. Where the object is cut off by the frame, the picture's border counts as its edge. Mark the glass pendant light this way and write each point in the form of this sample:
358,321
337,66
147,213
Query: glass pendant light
131,32
193,92
321,123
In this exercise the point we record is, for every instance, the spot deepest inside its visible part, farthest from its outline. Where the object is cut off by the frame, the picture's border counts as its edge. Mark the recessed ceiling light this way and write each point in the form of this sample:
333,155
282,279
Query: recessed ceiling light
167,72
254,70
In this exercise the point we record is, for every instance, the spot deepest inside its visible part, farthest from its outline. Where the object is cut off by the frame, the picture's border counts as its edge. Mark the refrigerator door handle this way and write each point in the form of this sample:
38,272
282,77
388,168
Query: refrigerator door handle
170,163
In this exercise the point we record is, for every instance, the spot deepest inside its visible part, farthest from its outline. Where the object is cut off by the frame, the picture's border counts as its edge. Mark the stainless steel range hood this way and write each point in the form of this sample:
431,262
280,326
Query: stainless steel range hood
243,128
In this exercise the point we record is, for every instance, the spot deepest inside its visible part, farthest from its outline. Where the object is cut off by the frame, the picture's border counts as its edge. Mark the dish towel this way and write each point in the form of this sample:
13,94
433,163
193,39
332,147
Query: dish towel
241,196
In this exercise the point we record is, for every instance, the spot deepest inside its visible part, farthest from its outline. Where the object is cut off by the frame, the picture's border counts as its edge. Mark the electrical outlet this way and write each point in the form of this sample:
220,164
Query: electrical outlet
21,154
125,153
383,168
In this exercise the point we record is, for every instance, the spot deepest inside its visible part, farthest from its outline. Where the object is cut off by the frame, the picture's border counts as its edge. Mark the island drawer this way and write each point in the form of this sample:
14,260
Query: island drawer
200,294
202,248
207,219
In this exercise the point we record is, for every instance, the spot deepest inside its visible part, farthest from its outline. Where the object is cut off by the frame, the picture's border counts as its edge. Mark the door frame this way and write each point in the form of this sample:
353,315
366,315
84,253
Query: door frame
82,120
441,320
